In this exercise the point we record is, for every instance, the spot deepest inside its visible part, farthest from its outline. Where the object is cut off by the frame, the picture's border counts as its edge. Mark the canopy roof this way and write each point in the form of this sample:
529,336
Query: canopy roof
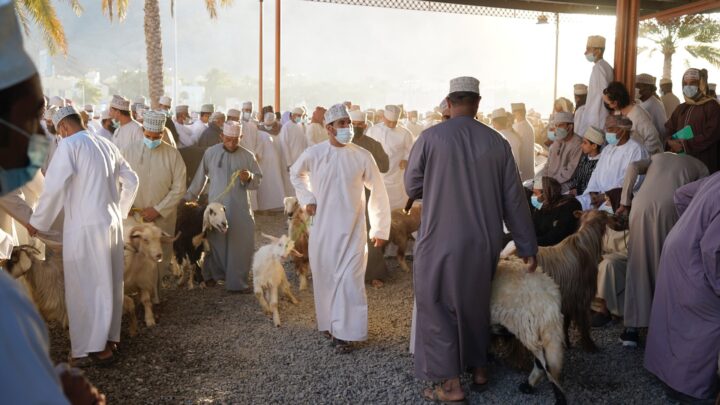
532,8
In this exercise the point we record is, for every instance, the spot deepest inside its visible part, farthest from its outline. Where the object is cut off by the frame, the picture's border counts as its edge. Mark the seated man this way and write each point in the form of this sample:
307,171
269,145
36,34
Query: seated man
591,146
565,151
553,213
616,157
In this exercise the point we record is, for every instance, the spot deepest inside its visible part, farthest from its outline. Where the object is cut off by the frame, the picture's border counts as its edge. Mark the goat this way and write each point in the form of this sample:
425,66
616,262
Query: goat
573,263
528,306
298,227
269,274
403,222
194,221
144,245
44,279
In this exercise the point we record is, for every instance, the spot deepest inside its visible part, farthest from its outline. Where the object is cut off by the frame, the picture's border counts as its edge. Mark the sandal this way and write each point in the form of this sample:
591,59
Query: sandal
479,387
92,360
433,395
327,335
342,347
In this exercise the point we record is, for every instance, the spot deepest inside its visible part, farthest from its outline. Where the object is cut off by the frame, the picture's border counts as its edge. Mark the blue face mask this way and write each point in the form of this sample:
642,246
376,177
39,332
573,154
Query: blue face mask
561,133
152,144
590,57
611,138
535,202
551,135
298,120
37,152
690,91
344,135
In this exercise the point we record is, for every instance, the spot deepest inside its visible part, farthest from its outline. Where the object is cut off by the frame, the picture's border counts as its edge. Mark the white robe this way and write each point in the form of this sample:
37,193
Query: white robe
104,133
611,167
184,134
578,119
595,111
127,135
515,145
335,178
670,102
656,109
95,126
196,130
271,192
397,143
84,179
526,164
292,141
414,128
315,133
644,131
251,141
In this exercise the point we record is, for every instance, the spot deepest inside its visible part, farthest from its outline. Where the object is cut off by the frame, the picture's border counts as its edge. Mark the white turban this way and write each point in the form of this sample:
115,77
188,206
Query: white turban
15,64
232,129
645,78
207,108
182,109
517,107
165,100
62,113
595,135
234,113
596,41
154,121
465,84
247,104
49,112
57,101
357,116
499,113
563,117
298,110
217,115
269,118
105,115
120,103
580,89
89,108
336,112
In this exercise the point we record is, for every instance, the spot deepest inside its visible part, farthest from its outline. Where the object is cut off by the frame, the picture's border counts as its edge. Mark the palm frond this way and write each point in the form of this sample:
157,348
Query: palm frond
708,32
212,6
110,7
76,7
42,14
706,52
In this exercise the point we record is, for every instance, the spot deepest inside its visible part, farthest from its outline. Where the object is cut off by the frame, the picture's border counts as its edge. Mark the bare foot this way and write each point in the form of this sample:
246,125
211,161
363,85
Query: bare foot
377,284
480,376
447,391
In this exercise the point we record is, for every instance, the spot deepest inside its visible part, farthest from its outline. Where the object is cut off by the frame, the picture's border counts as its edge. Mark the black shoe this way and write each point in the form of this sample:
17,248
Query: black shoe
600,319
629,338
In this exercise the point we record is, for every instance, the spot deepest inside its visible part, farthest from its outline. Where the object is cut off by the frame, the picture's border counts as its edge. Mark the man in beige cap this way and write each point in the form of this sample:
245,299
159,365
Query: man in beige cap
292,137
229,167
162,184
106,126
469,183
670,101
396,141
565,152
92,124
315,132
129,131
330,180
522,127
165,103
82,180
649,100
580,93
183,125
376,270
201,124
501,123
234,114
602,74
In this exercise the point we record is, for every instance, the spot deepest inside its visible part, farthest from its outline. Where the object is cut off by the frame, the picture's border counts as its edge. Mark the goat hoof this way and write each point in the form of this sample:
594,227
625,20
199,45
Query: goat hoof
526,388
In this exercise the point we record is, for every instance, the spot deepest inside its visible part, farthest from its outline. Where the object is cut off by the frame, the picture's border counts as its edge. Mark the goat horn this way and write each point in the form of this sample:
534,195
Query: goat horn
272,238
168,238
296,253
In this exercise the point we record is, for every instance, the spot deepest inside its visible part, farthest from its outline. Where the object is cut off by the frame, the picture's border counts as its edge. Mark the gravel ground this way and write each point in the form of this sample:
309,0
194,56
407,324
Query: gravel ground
211,346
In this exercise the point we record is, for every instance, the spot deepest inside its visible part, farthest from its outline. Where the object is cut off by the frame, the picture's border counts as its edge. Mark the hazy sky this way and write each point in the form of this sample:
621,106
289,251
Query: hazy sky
371,56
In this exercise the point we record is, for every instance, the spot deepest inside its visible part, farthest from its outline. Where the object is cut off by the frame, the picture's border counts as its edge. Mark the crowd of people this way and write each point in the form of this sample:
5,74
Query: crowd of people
82,177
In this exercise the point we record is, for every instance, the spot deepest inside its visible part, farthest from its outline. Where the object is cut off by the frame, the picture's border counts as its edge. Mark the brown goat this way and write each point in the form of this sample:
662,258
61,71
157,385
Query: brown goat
298,228
573,263
402,225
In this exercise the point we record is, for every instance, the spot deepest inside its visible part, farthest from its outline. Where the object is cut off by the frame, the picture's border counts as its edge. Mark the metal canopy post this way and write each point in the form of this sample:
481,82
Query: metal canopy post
277,55
260,61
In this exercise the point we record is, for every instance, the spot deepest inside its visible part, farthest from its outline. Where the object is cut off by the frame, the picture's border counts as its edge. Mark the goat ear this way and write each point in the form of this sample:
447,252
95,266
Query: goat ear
577,214
24,261
167,238
135,232
272,238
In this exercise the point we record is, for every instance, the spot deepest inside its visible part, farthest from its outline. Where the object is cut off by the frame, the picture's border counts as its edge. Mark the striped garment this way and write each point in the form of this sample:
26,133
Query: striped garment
582,174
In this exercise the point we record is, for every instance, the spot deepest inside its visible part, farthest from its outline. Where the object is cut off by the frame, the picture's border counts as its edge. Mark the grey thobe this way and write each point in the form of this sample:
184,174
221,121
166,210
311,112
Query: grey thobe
469,183
210,136
231,253
376,268
563,159
652,216
683,341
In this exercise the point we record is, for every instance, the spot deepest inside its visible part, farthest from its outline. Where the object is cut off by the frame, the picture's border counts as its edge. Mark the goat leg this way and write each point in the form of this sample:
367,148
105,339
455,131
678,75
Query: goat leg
583,323
147,304
129,310
401,256
566,329
274,305
288,292
260,295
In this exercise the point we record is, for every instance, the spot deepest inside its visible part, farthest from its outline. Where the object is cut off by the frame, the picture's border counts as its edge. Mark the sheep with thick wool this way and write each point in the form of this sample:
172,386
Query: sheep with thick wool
269,274
528,306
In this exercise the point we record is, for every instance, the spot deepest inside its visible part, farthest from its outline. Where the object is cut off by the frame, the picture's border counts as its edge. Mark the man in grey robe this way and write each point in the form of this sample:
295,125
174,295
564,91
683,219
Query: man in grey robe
683,341
232,171
652,217
212,135
469,182
376,270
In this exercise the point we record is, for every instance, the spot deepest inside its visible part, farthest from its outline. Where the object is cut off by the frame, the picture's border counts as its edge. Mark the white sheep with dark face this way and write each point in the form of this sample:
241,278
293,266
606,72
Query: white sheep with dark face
269,274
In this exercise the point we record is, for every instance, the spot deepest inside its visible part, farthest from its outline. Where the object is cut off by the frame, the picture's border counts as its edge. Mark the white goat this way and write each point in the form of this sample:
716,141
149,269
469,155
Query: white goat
144,252
269,274
528,305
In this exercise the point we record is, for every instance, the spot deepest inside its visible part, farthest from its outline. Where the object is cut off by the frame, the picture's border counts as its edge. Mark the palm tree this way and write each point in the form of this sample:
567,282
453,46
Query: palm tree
42,13
153,37
668,35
